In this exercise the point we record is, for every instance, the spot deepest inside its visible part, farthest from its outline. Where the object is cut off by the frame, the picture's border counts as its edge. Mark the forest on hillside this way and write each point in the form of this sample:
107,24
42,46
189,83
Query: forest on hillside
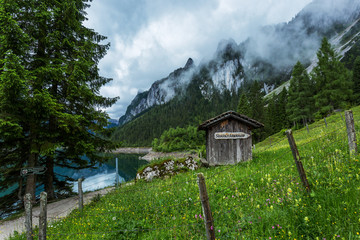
333,84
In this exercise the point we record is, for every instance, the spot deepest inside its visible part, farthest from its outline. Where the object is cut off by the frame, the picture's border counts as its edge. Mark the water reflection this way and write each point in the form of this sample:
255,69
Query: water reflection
104,175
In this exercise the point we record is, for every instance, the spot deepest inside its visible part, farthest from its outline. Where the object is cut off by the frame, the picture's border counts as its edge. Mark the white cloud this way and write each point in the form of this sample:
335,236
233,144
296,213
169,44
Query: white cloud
151,38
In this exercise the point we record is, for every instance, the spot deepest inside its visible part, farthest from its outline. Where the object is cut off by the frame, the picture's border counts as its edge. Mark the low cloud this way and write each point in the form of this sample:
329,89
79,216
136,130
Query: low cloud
151,38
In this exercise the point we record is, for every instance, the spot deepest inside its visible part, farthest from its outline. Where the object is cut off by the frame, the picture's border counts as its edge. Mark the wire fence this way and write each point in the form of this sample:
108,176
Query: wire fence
241,200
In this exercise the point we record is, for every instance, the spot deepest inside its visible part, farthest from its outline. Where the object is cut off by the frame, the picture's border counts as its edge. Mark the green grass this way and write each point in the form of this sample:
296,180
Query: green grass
260,199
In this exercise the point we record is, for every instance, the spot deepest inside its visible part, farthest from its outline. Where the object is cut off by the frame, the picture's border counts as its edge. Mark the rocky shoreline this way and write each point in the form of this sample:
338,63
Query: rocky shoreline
129,150
151,155
156,155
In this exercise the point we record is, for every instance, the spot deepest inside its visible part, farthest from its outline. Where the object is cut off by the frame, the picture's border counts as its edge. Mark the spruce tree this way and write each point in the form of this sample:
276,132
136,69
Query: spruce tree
61,120
280,112
243,106
256,102
300,100
14,102
270,116
356,80
305,94
291,106
333,81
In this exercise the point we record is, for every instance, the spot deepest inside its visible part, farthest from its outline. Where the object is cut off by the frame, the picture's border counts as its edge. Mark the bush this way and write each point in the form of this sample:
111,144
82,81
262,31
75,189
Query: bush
179,139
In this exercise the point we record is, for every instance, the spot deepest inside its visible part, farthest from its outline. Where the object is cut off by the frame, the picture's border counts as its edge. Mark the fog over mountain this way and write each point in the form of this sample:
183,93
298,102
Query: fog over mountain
151,38
267,55
286,43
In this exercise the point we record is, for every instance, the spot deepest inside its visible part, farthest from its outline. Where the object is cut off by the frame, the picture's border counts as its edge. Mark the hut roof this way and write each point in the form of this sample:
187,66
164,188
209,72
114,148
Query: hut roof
231,114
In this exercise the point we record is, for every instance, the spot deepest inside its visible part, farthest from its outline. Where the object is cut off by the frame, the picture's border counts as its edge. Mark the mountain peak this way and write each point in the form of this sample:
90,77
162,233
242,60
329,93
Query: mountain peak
226,45
189,63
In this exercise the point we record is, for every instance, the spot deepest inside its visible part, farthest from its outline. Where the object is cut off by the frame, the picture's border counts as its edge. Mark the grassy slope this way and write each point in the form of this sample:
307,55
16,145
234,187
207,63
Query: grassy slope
261,199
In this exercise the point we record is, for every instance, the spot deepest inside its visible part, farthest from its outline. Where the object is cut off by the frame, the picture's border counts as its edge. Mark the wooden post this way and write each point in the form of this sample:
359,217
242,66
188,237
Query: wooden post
80,192
209,222
43,216
117,173
307,128
325,121
350,126
298,162
28,216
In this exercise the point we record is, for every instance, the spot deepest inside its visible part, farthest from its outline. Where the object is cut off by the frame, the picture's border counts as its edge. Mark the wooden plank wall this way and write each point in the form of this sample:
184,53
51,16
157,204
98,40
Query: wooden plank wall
228,151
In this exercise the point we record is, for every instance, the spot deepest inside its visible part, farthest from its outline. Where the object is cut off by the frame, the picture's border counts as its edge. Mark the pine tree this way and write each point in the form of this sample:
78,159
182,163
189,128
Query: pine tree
280,112
14,100
333,81
291,106
270,116
300,101
256,103
356,80
305,101
61,120
243,106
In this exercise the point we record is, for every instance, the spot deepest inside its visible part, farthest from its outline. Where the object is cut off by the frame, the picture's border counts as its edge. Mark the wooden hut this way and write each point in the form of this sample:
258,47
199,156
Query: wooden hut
228,138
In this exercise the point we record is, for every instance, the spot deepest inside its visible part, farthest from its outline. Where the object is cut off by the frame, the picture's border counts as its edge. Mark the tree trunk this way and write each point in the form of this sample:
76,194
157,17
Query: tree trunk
49,178
31,179
49,174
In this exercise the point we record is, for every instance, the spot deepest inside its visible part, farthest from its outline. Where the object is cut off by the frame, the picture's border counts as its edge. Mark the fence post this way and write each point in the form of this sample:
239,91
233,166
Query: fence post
43,216
28,216
325,121
298,162
81,200
307,128
349,118
209,222
117,173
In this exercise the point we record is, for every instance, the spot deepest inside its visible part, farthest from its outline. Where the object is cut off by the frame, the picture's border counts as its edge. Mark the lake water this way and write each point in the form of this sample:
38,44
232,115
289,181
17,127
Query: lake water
102,176
105,175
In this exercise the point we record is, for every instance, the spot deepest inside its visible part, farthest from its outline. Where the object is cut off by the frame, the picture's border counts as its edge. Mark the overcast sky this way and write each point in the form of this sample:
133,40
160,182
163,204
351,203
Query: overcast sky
151,38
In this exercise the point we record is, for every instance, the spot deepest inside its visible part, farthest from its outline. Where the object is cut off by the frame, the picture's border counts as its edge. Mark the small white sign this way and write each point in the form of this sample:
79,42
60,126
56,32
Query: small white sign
231,135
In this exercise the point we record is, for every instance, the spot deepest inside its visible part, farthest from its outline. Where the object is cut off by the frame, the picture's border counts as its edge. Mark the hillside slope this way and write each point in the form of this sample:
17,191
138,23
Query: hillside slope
260,199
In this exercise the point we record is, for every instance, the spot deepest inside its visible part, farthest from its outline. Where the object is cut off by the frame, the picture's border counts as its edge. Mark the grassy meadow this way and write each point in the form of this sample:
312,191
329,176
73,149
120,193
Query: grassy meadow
260,199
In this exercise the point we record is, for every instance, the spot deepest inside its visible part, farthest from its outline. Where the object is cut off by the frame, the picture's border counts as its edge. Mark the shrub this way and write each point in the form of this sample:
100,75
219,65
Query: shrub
179,139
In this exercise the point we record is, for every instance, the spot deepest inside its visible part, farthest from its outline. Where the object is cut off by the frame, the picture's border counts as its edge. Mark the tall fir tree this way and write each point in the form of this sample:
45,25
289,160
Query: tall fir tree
291,106
356,80
300,100
332,79
280,113
256,102
304,101
270,116
243,106
62,120
15,99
